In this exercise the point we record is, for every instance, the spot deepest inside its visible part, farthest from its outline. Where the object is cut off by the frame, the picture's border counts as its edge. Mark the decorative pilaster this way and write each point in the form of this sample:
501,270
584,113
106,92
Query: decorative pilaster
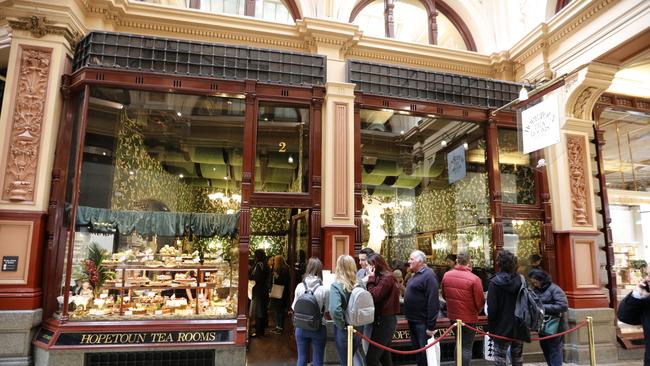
27,116
572,190
338,173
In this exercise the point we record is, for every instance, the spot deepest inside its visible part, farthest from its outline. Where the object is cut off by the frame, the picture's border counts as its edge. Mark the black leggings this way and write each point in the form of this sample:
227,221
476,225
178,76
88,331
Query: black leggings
382,333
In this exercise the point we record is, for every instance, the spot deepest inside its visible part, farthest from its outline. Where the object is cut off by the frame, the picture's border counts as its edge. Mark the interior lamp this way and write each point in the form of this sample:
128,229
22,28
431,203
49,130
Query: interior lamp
523,94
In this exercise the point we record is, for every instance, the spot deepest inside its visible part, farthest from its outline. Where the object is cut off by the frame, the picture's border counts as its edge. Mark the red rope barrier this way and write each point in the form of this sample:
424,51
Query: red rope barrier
411,352
580,325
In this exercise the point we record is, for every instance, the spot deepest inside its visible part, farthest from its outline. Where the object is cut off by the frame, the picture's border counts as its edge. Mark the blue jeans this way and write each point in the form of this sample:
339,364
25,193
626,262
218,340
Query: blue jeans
419,339
317,339
341,338
552,349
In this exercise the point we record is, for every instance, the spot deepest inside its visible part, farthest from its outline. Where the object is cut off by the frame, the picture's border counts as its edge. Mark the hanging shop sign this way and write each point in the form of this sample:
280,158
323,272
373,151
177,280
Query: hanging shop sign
540,124
456,164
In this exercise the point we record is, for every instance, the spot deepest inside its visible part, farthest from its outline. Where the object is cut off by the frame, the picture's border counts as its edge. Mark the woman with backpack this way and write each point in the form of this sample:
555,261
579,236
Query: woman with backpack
345,280
382,285
555,304
313,281
279,304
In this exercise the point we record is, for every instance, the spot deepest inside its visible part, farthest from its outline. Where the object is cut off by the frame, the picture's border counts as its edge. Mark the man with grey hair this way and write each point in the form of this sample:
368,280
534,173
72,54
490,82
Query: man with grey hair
421,303
463,292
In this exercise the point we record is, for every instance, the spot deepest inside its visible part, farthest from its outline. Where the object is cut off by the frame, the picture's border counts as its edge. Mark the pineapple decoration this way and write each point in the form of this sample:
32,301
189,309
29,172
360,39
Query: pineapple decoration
92,269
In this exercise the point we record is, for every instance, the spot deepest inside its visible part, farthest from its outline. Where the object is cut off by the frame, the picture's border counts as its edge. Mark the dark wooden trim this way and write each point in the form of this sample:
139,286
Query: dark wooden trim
420,107
389,18
81,138
287,200
358,191
623,102
293,9
316,116
521,212
55,232
494,185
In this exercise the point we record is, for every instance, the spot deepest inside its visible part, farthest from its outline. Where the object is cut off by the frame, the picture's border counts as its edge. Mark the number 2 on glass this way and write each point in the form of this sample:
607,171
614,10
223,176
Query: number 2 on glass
283,146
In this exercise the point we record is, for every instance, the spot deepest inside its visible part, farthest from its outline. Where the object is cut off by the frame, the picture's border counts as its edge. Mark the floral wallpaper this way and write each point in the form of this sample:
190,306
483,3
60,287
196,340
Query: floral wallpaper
452,214
138,177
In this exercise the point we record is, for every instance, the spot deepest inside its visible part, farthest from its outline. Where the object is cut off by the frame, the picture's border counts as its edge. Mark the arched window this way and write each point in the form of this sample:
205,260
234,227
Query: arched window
281,11
417,21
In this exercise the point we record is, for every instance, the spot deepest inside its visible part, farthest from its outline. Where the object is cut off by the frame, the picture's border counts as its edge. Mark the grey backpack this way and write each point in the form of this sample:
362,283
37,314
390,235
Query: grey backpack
361,308
306,312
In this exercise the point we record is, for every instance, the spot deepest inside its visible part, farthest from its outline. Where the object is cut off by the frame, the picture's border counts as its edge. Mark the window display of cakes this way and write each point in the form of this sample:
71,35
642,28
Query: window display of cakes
148,285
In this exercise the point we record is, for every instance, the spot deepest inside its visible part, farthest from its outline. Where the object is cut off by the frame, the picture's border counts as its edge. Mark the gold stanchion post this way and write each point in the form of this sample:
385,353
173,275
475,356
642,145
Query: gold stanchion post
459,342
592,345
350,333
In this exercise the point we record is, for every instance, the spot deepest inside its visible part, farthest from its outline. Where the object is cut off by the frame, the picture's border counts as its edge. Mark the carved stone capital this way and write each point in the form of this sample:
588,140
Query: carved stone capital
27,117
584,88
40,26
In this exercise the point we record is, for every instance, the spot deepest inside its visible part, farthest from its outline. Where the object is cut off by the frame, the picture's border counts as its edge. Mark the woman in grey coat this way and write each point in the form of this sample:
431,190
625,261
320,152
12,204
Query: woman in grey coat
555,305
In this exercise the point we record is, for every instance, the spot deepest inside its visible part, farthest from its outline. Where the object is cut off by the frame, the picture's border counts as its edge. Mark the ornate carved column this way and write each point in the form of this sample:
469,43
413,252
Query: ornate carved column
494,185
32,103
572,190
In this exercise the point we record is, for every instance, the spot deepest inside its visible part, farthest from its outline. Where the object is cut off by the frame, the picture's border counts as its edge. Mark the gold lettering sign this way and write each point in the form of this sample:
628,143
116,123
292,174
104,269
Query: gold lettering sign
282,146
155,337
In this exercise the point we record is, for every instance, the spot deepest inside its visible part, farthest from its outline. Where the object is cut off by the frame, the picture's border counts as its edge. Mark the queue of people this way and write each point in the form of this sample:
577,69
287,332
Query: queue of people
460,289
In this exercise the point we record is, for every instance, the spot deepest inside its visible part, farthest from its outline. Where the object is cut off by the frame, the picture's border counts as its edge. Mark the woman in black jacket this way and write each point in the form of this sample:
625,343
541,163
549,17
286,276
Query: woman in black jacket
555,304
260,273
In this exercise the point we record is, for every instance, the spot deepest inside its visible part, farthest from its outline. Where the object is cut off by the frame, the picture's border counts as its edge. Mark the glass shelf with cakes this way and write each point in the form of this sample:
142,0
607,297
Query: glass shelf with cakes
167,285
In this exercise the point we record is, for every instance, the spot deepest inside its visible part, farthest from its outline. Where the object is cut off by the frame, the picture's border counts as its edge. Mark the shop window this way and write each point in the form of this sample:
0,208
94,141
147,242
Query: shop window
270,231
517,171
626,155
523,238
157,213
282,153
425,186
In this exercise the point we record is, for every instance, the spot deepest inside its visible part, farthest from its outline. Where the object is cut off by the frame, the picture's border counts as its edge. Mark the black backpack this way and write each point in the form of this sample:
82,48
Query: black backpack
529,310
306,312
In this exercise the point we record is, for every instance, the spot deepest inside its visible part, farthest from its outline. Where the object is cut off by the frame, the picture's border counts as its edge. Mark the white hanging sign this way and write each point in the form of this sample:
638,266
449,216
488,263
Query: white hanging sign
456,166
540,124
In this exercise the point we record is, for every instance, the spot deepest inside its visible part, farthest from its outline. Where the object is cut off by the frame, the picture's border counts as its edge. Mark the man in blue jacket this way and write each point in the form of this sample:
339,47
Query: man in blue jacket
421,303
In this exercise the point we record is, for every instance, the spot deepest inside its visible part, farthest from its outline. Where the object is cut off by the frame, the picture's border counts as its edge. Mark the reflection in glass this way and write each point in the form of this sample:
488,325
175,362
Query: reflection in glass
270,230
282,154
523,238
158,202
517,172
407,194
626,155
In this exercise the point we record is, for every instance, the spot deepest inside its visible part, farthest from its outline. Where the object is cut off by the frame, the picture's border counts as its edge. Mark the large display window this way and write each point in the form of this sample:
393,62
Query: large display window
156,215
425,186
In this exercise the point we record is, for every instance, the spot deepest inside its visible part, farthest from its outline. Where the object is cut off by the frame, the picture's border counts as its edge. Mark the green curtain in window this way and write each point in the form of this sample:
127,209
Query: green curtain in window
159,223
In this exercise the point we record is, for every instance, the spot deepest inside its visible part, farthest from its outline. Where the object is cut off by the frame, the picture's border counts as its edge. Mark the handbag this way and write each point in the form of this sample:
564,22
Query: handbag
551,324
276,291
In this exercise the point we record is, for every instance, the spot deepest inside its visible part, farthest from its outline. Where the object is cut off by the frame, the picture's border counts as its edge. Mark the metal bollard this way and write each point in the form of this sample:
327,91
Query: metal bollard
592,345
459,342
350,333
